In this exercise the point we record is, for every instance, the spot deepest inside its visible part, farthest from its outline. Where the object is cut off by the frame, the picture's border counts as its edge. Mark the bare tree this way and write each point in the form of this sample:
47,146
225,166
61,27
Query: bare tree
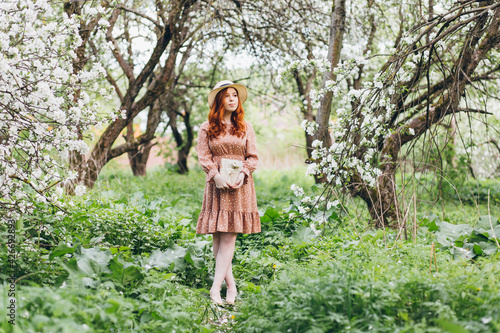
173,26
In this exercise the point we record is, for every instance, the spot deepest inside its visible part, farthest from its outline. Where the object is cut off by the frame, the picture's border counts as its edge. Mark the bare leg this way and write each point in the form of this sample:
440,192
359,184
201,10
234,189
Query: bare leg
224,244
216,243
230,283
231,287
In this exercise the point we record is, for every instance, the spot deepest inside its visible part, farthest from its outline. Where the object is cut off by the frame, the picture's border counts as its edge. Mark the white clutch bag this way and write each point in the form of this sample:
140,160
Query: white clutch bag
230,170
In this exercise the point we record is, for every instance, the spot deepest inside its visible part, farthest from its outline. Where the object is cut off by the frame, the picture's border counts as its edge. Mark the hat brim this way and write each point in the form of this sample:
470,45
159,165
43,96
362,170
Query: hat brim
242,93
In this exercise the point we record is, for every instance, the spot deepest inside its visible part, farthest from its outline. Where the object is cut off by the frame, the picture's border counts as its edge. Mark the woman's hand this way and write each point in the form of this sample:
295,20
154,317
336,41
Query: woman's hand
239,181
220,182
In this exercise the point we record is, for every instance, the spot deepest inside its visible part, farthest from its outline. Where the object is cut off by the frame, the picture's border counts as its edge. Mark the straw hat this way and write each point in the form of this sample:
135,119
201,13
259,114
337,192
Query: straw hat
242,91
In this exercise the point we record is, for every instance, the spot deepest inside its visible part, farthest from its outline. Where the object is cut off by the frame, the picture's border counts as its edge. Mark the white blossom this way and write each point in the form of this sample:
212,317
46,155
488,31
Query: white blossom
37,50
297,190
312,169
313,228
309,126
331,204
80,190
317,143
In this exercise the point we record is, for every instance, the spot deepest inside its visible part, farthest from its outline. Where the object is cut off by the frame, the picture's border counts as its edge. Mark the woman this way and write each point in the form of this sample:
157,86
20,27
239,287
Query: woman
228,209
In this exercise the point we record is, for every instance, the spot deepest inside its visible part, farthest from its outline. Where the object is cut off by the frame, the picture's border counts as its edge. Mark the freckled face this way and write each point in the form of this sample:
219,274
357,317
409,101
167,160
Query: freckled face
231,100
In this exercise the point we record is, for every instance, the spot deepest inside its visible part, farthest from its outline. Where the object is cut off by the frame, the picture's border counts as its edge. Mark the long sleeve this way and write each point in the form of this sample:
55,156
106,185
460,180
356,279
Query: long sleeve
251,157
205,154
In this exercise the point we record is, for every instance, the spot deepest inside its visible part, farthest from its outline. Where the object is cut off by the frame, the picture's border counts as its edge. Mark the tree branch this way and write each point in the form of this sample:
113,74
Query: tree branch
131,10
129,146
110,79
116,51
495,143
473,111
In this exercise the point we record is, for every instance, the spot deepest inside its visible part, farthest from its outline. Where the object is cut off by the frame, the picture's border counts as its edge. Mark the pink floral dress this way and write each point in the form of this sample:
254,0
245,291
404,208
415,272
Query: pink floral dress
228,210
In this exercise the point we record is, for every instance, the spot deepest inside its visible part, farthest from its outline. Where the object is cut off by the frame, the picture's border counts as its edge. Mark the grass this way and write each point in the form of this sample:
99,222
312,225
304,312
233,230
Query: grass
127,259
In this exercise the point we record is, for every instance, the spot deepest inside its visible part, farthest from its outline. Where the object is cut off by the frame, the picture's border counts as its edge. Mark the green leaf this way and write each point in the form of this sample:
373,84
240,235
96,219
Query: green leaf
479,235
372,235
61,250
110,194
448,232
497,231
334,216
462,253
194,260
80,217
477,249
484,222
188,258
319,217
265,219
172,259
433,226
349,243
271,214
304,234
93,261
60,279
159,259
124,273
71,266
429,219
155,204
487,248
115,250
378,235
448,326
175,201
185,222
460,241
137,199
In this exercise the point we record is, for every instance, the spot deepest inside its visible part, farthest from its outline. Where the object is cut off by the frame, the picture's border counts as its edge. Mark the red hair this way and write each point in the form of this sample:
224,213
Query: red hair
216,116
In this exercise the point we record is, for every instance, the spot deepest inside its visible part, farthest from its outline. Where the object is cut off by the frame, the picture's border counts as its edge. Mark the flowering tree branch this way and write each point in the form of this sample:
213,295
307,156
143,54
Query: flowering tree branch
421,84
44,103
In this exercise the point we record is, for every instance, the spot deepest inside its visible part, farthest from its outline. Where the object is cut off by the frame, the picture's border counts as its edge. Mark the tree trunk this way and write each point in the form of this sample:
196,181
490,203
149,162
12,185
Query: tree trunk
182,162
76,163
138,157
382,200
77,160
184,152
337,27
307,110
183,145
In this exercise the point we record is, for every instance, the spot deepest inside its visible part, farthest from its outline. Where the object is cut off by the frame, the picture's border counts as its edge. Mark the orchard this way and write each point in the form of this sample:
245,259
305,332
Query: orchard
377,130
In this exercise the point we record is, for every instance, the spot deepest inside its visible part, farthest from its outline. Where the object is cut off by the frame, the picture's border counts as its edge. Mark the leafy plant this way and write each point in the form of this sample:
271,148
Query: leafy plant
465,241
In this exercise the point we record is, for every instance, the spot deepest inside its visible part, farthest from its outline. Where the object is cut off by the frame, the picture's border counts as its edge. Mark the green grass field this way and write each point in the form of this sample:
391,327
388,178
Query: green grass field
126,259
